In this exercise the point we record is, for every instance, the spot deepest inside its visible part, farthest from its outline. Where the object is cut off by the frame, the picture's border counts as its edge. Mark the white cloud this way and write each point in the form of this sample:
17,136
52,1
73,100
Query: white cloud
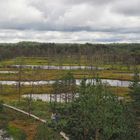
70,20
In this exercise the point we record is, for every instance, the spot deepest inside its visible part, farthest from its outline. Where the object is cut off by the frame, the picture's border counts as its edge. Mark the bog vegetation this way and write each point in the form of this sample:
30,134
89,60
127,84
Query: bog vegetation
85,111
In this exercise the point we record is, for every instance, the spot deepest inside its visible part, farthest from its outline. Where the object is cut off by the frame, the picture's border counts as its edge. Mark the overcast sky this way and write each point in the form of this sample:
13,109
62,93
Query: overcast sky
95,21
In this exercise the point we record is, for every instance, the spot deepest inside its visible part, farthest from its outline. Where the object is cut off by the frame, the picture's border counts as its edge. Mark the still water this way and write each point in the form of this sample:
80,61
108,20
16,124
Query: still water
114,83
56,67
55,97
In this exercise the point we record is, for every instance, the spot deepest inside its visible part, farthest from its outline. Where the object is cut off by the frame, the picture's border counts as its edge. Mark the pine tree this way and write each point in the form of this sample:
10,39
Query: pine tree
135,95
98,115
135,88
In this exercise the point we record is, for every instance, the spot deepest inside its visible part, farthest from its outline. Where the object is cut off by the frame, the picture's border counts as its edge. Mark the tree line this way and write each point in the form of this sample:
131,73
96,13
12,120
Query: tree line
105,53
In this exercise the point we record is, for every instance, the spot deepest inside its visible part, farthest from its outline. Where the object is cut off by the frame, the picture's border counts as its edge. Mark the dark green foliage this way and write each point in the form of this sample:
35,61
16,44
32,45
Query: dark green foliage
45,133
135,95
135,88
68,83
98,115
1,106
16,133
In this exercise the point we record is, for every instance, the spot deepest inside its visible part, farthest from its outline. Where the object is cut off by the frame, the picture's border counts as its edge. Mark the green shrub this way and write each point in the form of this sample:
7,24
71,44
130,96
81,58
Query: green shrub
46,133
1,106
16,133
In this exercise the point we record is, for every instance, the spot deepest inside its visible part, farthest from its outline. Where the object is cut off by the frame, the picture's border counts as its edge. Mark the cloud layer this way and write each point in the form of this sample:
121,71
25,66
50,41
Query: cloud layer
70,20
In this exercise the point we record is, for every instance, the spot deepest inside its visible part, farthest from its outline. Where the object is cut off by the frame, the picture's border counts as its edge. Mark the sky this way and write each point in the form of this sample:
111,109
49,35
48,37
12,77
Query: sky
70,21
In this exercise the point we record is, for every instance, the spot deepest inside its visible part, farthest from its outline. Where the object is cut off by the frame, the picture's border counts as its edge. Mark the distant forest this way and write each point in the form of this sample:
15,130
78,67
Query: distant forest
103,53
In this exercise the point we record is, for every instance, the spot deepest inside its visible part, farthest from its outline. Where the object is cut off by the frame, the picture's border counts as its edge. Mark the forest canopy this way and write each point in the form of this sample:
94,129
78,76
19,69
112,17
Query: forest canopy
106,53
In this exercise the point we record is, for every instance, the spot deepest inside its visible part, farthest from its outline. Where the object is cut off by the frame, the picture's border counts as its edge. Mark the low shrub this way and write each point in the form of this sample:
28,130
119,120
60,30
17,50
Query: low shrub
1,105
16,133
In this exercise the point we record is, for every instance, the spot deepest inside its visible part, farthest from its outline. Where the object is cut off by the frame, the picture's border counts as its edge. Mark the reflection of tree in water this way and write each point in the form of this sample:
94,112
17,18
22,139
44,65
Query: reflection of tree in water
65,89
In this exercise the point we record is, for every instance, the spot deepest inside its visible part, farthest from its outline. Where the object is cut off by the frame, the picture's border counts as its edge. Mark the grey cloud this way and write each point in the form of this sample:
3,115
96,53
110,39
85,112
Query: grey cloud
69,18
88,1
126,7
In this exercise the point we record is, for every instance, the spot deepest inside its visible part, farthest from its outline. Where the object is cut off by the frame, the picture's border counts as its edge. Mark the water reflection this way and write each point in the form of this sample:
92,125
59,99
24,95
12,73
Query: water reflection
56,67
115,83
52,97
55,97
8,72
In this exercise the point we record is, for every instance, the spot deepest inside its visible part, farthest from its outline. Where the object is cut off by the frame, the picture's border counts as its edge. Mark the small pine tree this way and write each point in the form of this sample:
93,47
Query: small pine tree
135,88
98,114
135,94
45,133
